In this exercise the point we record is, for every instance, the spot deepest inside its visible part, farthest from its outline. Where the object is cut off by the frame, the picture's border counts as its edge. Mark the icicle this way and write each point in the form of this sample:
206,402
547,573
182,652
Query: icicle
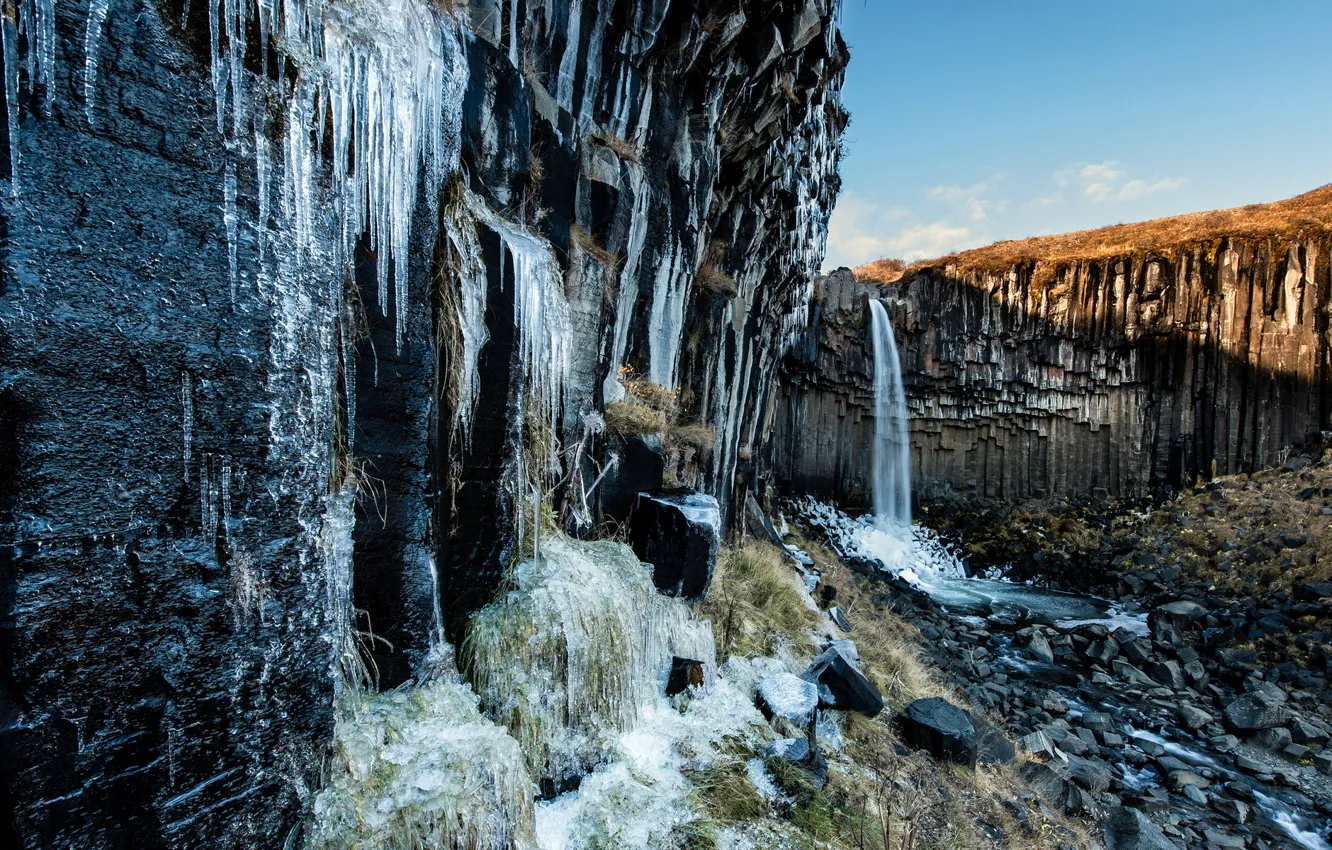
187,417
41,40
349,378
261,178
226,499
217,69
10,36
92,41
229,220
207,508
513,32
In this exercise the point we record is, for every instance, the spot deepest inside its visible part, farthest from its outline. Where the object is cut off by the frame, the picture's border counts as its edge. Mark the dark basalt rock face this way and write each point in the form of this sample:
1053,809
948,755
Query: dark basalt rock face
182,553
1125,376
678,533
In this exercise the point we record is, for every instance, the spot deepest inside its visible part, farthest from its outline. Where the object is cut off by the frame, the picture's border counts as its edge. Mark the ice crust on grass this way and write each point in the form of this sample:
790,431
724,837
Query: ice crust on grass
420,767
643,798
578,651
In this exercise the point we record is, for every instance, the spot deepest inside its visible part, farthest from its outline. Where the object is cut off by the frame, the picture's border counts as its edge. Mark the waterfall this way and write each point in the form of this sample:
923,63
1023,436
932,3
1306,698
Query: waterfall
892,449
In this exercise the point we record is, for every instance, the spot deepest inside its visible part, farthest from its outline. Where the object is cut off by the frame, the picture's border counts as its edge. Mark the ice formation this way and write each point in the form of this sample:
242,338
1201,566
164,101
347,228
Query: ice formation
92,43
421,767
642,798
577,652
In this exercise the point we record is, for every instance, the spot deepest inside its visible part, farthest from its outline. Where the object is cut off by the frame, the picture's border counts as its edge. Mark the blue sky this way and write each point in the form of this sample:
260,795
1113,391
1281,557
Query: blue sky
979,120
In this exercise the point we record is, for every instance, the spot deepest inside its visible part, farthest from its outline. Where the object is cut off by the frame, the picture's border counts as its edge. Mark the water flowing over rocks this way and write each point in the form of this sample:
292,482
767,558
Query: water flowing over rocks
309,313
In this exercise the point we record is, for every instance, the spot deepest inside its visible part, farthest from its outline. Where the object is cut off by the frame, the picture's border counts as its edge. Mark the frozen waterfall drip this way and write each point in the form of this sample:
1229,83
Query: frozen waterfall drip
541,315
578,651
892,447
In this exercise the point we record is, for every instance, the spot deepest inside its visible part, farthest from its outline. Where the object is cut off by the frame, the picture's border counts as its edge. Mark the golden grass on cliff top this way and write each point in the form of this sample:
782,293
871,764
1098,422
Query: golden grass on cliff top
1298,216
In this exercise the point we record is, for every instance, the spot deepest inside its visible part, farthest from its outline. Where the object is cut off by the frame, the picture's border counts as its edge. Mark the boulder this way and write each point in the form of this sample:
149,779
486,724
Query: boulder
1039,648
1193,718
1166,673
1236,810
992,745
940,728
1313,591
1102,651
789,697
758,525
678,533
1323,763
1304,732
686,673
841,685
1249,713
839,618
1129,829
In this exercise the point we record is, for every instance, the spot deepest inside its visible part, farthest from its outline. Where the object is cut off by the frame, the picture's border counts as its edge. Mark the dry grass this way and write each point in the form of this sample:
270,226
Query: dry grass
696,435
754,604
1304,215
711,277
622,147
587,244
886,270
888,644
633,418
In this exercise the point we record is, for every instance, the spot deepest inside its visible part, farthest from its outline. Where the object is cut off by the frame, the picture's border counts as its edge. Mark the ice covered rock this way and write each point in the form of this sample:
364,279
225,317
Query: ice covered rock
789,697
420,766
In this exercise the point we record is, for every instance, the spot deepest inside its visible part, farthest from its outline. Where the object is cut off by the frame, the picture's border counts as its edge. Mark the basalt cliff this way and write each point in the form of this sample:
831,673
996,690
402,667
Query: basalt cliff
1127,362
309,314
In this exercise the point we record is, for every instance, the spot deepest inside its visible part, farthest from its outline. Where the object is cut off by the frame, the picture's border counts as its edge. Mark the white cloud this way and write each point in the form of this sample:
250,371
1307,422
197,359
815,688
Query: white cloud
1141,188
861,231
1106,181
858,231
973,199
925,241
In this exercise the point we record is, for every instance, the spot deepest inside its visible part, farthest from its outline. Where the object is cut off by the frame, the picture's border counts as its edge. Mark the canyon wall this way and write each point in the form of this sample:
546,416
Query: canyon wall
299,315
1126,375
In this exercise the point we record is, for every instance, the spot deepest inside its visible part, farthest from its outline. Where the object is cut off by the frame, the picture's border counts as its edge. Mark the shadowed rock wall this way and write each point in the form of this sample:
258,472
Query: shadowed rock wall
1127,376
208,478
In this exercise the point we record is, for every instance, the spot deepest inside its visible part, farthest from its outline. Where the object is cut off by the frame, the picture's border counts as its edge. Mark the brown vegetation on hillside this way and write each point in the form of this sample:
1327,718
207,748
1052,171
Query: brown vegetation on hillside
1303,215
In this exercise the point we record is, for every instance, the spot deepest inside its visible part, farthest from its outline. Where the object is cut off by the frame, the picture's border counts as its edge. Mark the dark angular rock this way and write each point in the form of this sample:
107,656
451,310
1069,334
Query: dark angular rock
940,728
841,684
1313,591
678,533
839,618
1248,713
992,745
1129,829
686,673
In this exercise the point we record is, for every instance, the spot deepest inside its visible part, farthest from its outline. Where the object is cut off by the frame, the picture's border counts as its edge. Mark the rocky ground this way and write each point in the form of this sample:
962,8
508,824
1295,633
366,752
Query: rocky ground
1206,726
